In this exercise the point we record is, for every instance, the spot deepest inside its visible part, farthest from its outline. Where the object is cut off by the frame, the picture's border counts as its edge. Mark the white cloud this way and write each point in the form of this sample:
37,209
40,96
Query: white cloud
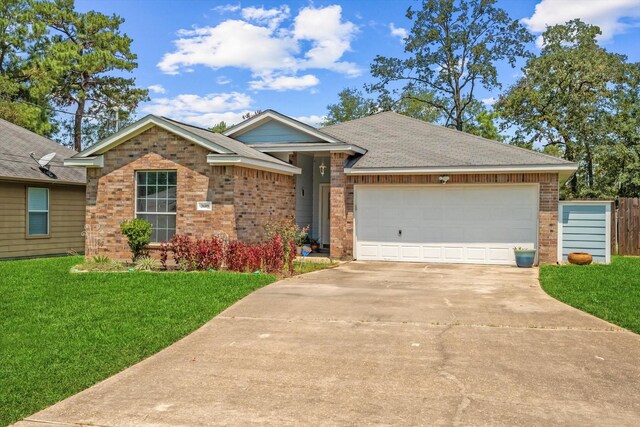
157,89
202,110
330,38
270,17
271,50
312,120
612,16
223,80
399,32
226,8
489,101
283,83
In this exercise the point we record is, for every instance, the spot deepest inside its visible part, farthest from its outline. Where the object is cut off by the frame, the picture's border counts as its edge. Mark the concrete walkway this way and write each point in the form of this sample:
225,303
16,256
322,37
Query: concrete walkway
384,344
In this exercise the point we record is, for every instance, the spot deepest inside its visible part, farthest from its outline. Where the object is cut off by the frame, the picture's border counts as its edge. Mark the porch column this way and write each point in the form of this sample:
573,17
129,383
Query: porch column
338,216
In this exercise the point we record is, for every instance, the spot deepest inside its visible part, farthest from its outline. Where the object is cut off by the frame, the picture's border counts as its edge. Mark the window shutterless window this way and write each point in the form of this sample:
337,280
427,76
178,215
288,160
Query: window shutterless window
156,202
37,211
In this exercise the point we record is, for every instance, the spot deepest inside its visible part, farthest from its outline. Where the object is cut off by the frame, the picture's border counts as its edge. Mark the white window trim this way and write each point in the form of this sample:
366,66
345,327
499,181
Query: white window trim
135,200
29,210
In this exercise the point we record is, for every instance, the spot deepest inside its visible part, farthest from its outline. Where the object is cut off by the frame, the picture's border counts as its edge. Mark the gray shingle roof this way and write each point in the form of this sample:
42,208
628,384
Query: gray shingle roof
15,145
396,141
232,145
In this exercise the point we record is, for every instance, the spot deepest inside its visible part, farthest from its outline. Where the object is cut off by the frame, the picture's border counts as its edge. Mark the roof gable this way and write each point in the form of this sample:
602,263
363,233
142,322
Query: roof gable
140,126
224,150
272,127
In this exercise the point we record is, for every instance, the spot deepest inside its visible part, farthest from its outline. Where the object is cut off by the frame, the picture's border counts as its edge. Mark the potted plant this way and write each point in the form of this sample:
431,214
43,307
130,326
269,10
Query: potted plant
301,238
524,257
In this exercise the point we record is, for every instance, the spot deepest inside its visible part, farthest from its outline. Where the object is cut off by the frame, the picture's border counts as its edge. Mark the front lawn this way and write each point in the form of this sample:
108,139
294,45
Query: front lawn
611,292
61,332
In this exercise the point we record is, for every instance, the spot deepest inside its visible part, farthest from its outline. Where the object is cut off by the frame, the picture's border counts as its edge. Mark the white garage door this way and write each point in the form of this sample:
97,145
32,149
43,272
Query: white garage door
446,223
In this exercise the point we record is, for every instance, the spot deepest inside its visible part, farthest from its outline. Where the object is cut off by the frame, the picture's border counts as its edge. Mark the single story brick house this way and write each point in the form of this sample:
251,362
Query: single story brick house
42,210
383,187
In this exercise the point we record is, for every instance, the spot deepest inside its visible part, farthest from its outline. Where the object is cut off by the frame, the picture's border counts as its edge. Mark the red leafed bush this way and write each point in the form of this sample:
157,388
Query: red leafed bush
235,256
164,254
183,248
192,254
253,258
273,255
292,255
215,254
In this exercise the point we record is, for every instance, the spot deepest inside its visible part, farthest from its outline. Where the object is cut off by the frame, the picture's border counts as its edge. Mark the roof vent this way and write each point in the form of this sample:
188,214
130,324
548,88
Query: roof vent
43,164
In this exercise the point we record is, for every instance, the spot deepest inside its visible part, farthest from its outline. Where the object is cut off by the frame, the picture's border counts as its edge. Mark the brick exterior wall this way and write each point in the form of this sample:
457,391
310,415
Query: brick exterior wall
339,236
342,204
259,197
237,193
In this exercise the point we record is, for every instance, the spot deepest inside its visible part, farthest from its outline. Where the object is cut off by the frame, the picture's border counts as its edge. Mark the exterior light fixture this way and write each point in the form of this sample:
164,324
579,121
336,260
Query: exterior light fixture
322,168
444,179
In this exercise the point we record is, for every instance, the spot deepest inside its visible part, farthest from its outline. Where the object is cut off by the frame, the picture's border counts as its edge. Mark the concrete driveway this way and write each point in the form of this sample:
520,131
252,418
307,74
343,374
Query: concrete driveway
381,343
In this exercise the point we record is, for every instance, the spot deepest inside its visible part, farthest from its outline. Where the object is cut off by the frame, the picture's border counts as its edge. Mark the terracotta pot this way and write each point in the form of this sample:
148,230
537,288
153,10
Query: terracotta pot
580,258
315,247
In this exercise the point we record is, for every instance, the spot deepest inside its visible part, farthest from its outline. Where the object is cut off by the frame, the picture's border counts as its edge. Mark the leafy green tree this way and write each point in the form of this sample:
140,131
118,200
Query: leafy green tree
219,127
483,124
22,39
569,97
452,47
85,61
352,105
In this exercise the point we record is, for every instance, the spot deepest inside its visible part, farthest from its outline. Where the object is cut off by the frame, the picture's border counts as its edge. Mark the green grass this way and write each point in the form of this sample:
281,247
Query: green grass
62,332
301,267
611,292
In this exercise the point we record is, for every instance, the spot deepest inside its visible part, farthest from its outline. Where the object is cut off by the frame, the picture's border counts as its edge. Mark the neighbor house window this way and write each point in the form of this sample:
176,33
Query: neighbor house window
156,202
37,211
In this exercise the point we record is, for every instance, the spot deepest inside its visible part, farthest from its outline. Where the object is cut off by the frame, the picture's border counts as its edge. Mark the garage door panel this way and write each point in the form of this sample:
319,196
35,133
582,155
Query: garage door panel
473,224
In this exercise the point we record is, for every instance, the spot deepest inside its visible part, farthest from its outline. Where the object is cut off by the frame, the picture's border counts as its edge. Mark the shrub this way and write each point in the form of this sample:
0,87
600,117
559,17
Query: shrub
138,233
183,248
291,235
253,258
273,255
146,263
101,259
235,257
164,254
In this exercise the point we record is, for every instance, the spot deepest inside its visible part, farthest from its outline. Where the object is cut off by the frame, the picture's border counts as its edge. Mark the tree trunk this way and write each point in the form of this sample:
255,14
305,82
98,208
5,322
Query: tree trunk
589,167
77,126
570,156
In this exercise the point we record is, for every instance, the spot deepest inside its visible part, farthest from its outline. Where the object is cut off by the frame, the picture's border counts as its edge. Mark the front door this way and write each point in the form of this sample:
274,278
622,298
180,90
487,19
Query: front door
325,203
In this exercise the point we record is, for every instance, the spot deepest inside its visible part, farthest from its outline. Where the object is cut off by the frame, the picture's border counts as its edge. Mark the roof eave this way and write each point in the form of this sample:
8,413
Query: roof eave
310,147
41,181
87,162
564,170
225,160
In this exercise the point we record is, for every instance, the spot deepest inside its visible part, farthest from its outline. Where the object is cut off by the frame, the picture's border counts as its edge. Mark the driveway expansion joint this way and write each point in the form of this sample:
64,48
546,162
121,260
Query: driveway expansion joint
428,324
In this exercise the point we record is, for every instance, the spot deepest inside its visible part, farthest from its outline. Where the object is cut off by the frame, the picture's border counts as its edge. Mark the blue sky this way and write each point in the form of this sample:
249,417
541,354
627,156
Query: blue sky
206,61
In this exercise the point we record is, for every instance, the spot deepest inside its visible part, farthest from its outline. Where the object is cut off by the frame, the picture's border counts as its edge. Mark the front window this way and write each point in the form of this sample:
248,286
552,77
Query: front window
156,202
38,211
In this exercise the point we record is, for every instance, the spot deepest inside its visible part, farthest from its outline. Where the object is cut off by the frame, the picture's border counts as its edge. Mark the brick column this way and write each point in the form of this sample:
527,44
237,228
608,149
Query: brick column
548,220
338,227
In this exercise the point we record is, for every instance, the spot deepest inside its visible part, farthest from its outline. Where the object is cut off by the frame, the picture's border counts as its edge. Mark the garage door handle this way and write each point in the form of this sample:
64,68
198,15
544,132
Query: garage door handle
399,233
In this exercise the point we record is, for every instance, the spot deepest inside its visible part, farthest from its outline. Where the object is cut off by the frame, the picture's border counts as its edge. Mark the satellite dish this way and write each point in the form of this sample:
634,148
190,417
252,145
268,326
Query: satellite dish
43,163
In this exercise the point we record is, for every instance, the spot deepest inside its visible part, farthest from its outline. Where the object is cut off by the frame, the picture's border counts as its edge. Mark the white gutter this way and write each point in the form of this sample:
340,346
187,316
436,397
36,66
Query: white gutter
570,168
338,148
222,160
87,162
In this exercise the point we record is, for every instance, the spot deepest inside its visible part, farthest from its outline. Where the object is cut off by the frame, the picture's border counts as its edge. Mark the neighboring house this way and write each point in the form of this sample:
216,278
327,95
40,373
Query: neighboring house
41,213
384,187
